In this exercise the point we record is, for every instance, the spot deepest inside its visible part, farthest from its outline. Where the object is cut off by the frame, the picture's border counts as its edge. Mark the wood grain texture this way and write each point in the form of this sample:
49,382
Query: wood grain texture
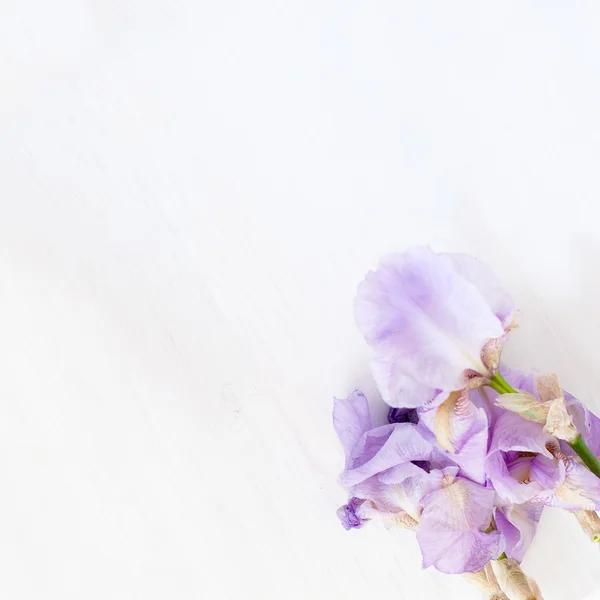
189,193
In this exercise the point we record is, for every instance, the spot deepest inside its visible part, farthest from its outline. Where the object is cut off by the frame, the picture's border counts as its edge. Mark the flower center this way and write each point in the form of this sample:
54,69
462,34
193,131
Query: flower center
520,468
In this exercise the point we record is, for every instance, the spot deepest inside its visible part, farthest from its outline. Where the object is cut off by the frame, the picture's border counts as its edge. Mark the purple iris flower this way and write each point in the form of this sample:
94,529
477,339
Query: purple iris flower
452,515
527,465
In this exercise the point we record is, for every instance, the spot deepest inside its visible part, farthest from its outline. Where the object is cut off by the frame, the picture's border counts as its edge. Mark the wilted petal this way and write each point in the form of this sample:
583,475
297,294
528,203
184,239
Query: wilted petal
525,405
347,514
548,387
382,448
351,419
518,523
426,322
485,581
559,422
451,530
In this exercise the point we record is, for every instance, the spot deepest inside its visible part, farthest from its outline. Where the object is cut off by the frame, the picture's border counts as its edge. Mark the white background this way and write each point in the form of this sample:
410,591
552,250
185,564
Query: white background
189,193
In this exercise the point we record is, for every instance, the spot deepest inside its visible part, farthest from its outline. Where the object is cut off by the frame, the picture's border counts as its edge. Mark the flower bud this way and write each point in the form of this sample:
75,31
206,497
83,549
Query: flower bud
513,581
589,522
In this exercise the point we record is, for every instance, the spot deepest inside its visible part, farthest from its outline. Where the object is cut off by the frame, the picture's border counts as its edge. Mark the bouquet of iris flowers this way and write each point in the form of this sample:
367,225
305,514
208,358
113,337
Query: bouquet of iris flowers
473,450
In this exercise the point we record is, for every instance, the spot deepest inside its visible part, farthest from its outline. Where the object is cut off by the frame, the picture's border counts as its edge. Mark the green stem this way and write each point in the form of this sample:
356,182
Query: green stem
586,455
498,383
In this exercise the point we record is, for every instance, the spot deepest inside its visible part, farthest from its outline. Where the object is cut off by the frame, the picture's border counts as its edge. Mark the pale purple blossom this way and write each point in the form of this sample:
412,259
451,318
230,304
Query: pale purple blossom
394,475
525,464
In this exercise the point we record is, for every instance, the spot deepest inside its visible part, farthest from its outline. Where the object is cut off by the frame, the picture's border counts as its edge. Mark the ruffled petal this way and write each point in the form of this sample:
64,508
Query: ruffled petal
455,553
351,419
508,488
518,523
383,448
398,388
547,472
579,490
424,318
587,423
511,432
451,530
483,278
461,430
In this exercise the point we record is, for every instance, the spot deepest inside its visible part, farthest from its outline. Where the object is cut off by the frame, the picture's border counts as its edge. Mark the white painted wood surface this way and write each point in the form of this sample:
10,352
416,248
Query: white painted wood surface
189,193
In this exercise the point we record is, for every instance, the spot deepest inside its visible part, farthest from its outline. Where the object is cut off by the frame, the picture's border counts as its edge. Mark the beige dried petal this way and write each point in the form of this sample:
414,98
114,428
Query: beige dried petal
559,422
548,387
590,523
491,353
479,580
513,581
526,405
493,582
476,382
535,588
485,582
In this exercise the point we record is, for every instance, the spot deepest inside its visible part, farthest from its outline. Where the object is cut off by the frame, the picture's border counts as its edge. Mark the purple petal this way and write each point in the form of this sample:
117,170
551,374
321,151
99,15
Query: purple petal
351,419
451,530
512,432
347,514
512,436
462,430
398,388
382,448
426,322
401,490
579,490
520,380
399,473
509,489
586,422
455,553
548,473
517,524
482,277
